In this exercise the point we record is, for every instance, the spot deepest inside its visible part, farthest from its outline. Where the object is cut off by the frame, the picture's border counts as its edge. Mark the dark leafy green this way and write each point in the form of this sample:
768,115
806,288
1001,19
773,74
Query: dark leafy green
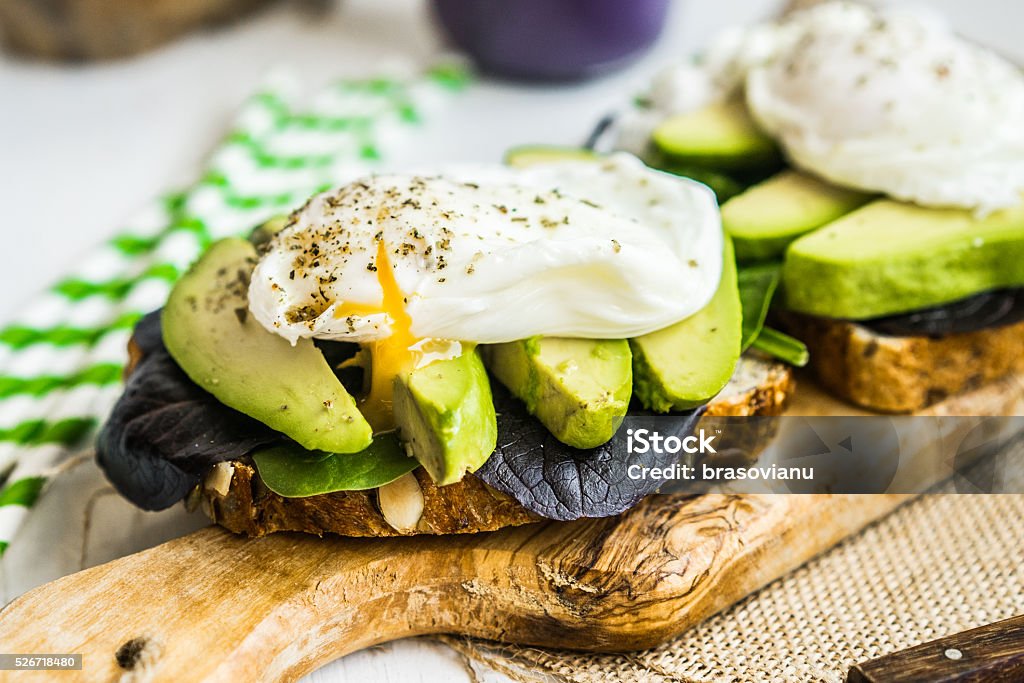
564,483
782,346
165,431
294,472
757,286
978,312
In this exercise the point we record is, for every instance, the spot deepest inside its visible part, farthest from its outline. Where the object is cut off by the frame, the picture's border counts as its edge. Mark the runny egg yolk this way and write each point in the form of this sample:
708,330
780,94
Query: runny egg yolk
391,355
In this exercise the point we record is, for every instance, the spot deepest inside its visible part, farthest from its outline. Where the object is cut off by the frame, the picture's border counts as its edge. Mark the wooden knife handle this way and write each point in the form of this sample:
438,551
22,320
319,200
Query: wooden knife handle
989,653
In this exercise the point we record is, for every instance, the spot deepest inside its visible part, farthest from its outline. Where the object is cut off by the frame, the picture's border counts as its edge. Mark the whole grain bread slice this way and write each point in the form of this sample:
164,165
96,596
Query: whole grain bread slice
233,495
904,374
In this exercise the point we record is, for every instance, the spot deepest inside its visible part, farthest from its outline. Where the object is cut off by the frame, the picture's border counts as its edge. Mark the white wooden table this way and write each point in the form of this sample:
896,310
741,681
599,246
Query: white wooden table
81,147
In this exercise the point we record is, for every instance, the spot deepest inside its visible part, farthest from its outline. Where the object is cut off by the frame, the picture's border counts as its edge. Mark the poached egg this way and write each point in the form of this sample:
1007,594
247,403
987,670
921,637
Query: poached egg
414,266
894,102
888,101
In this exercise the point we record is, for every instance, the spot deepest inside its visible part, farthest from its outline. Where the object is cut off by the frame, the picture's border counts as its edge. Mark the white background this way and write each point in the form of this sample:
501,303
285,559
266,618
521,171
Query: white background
81,147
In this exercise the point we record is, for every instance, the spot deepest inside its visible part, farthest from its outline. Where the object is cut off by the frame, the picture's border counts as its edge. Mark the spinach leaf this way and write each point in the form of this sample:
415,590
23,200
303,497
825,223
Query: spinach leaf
757,285
564,483
165,431
782,346
294,472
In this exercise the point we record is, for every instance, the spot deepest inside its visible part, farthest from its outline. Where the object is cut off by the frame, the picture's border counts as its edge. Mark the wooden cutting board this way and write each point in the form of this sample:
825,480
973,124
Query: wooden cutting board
212,606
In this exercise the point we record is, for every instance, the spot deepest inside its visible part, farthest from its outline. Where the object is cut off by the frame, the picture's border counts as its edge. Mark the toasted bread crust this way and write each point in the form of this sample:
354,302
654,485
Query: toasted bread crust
760,387
465,507
904,374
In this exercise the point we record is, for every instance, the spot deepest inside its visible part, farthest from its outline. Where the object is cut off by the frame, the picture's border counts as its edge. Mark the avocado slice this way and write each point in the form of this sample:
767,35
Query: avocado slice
265,231
725,187
890,257
685,365
721,136
208,331
764,219
578,388
445,413
528,155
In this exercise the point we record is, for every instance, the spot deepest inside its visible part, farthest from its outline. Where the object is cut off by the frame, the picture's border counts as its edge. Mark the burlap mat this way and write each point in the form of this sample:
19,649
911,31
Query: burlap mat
939,565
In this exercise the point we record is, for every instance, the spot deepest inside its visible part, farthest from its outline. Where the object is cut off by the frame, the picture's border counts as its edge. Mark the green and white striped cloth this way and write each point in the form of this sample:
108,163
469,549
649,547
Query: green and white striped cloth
61,361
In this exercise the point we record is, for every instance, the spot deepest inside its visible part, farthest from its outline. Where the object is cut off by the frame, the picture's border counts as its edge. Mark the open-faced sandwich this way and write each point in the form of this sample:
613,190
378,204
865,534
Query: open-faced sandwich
439,353
456,351
874,163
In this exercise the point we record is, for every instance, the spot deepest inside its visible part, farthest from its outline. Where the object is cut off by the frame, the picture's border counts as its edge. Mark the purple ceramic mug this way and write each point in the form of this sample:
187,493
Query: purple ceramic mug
551,39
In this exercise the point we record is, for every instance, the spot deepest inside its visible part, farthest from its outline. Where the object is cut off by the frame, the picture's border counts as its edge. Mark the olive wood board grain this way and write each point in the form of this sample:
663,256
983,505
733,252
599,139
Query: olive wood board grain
212,606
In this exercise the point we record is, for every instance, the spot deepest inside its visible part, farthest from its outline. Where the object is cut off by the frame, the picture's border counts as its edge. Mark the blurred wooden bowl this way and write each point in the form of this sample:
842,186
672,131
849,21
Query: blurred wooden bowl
102,29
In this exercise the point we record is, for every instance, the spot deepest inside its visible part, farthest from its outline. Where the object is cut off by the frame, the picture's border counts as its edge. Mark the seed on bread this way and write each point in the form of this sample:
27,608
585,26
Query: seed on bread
401,503
218,478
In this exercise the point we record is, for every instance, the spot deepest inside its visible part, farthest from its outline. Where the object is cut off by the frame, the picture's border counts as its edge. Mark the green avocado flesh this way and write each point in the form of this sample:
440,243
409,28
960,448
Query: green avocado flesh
528,155
209,332
889,257
263,233
724,187
578,388
445,412
294,472
721,136
763,220
687,364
